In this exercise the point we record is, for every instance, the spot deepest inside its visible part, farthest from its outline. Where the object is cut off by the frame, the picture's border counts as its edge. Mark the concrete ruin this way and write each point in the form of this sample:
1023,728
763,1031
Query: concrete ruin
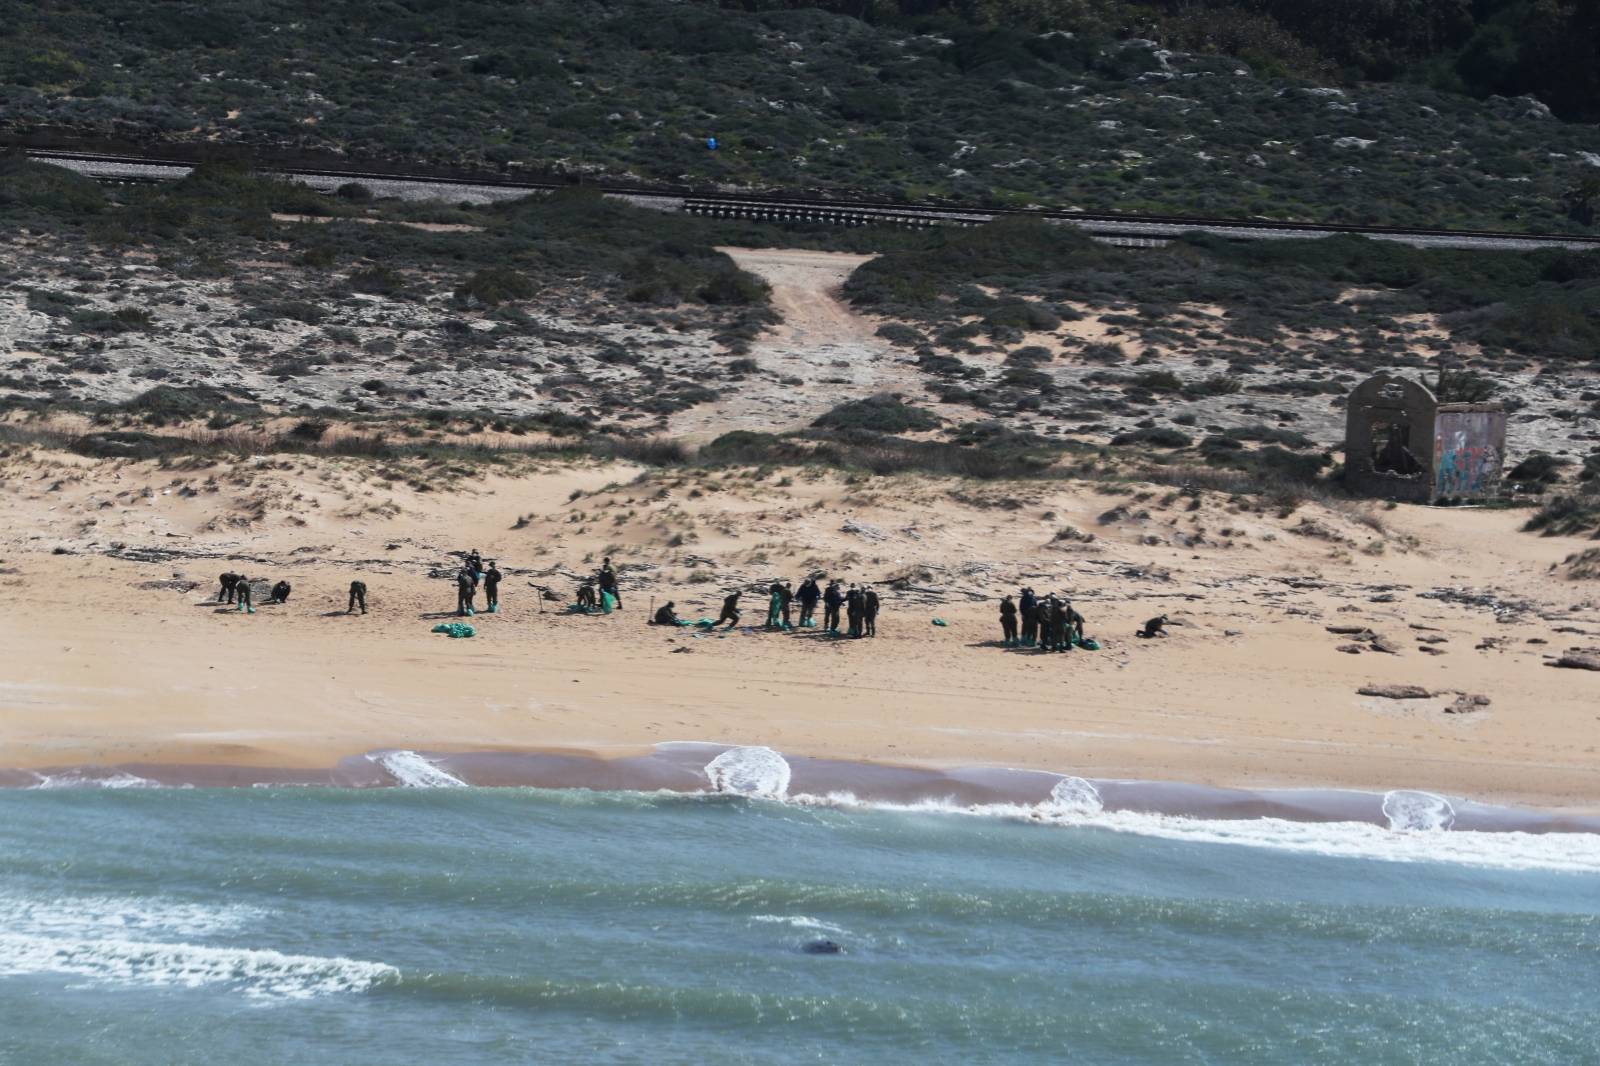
1401,443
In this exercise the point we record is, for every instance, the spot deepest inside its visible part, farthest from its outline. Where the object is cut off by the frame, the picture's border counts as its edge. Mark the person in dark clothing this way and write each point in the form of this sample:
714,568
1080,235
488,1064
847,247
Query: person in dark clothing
667,616
474,566
1074,624
280,593
608,582
1052,621
229,581
852,610
1028,608
809,594
1155,627
491,587
786,596
832,600
1008,622
242,594
869,611
775,605
730,611
586,597
358,597
466,589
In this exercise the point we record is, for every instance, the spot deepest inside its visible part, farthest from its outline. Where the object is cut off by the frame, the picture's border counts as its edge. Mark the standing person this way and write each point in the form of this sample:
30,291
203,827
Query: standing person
730,610
1028,605
1047,623
608,582
241,591
466,588
869,610
774,605
832,600
852,610
809,595
229,581
491,587
786,595
358,597
475,566
1008,622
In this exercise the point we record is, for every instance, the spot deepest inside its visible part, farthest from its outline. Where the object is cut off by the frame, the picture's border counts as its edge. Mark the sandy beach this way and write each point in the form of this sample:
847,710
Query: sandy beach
116,652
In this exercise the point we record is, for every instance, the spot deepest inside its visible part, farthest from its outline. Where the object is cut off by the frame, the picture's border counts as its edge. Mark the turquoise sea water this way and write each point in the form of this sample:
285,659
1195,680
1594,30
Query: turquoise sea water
316,926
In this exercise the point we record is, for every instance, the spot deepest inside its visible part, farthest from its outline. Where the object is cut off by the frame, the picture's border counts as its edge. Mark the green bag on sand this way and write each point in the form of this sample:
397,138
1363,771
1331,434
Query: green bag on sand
938,621
455,629
1088,644
607,602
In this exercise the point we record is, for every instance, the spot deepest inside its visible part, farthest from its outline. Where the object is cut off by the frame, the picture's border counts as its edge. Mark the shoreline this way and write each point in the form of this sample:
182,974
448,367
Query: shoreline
707,769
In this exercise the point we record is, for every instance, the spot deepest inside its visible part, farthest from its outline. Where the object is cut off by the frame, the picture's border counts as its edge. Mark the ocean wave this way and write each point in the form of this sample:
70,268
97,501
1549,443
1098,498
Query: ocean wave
1418,812
752,771
80,779
89,915
114,940
799,921
1425,838
411,770
257,973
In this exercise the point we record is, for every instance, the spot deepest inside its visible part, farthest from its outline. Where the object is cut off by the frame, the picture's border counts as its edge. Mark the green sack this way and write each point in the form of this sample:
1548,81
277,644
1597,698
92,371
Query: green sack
1089,644
607,602
938,621
455,629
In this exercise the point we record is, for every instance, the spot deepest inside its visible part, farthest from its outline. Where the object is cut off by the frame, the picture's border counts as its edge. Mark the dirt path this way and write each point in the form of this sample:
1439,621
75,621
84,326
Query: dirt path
820,342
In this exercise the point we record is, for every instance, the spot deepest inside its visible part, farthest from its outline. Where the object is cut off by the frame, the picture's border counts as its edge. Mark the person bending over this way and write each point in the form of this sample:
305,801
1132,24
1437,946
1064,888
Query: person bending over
358,597
730,611
280,593
1155,627
667,615
230,581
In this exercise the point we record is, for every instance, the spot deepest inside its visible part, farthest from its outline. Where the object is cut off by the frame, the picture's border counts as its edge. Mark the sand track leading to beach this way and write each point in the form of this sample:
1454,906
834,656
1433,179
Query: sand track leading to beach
820,353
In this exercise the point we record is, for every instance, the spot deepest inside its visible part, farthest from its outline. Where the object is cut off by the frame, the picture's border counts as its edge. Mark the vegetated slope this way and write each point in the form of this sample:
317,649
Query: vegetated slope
567,305
1057,113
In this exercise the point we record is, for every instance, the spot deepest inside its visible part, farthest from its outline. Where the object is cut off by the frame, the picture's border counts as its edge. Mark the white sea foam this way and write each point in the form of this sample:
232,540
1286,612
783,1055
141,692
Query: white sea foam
258,974
1074,795
1562,852
411,770
76,779
753,771
1418,812
798,921
117,940
83,915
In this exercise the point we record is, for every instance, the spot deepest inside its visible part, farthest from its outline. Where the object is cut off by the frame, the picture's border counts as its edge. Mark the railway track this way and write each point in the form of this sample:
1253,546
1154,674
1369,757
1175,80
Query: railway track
1123,229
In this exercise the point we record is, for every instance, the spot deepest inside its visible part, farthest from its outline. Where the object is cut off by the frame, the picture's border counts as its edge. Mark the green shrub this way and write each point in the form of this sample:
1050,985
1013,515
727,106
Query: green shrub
880,414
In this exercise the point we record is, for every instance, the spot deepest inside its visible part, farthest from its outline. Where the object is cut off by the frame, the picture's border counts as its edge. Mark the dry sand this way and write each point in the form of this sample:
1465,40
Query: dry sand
1250,691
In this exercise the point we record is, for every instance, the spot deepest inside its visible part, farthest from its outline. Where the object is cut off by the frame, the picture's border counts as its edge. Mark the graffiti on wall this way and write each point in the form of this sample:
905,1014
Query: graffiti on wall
1466,453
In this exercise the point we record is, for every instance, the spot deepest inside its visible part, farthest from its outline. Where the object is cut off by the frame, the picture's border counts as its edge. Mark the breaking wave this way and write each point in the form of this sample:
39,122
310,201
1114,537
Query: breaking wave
79,779
116,941
1418,812
411,770
1074,795
753,771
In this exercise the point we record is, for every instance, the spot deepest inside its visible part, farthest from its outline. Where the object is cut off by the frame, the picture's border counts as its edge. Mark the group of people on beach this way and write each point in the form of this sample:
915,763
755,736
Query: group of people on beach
859,606
473,572
1049,624
236,589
